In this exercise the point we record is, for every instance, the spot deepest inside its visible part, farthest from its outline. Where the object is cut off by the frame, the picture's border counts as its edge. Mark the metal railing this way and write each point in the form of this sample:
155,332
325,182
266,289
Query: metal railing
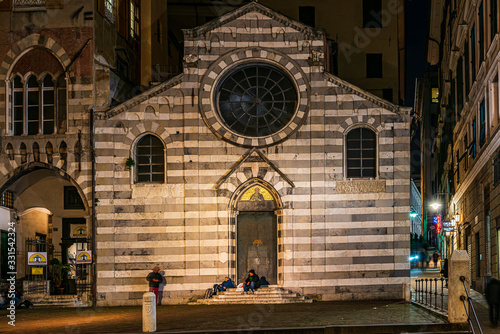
429,292
471,312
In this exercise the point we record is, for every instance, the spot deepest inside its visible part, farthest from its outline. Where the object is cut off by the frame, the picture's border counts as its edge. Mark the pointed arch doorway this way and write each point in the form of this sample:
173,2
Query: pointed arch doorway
257,206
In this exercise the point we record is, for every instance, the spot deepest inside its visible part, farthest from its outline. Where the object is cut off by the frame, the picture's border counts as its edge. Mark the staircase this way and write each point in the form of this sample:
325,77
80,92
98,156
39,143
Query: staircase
40,301
271,294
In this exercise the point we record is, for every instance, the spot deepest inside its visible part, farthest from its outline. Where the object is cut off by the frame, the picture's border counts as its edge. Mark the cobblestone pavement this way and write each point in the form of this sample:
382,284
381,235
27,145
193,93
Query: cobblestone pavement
219,317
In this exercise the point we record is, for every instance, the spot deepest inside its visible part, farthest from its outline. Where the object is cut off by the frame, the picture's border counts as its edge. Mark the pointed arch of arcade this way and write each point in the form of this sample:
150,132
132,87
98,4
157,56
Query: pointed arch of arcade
25,169
233,222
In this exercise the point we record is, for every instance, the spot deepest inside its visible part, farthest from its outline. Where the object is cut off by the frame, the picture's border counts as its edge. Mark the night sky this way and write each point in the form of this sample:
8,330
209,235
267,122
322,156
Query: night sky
416,48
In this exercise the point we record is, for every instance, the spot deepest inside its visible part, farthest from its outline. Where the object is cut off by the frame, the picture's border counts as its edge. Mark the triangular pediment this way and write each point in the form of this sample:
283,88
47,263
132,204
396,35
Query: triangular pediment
249,8
258,165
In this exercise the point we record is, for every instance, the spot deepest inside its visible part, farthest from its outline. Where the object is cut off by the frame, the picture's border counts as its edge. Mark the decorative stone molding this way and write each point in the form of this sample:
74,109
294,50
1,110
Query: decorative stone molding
360,186
216,71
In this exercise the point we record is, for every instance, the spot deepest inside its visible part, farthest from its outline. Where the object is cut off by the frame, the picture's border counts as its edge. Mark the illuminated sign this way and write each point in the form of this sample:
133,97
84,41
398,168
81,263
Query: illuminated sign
437,221
78,231
447,226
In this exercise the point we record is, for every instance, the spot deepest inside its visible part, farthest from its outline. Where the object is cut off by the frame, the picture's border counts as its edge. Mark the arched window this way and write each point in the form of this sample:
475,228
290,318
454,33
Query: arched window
48,105
150,156
17,106
361,153
33,106
37,104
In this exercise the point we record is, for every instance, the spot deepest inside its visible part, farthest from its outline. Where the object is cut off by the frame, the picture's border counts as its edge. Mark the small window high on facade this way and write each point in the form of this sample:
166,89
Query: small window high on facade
361,152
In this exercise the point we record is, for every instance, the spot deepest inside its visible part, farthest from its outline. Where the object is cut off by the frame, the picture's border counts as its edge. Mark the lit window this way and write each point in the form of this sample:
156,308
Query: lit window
435,95
361,153
109,10
134,20
150,159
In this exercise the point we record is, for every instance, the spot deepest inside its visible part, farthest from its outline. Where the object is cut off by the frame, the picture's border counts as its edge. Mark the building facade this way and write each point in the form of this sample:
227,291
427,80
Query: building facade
467,53
253,158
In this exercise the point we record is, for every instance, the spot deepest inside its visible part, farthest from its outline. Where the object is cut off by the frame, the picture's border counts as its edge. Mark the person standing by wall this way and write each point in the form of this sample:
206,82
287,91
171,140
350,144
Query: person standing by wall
154,278
493,299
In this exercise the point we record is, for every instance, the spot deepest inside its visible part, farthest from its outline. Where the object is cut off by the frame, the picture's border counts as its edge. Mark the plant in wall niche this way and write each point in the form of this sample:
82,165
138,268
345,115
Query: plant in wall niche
130,162
96,200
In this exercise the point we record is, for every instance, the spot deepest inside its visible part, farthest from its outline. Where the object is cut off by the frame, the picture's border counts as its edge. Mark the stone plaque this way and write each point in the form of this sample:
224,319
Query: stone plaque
360,186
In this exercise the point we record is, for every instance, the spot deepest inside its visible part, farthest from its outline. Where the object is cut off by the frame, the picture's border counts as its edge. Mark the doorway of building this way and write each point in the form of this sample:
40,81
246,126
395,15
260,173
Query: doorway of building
257,244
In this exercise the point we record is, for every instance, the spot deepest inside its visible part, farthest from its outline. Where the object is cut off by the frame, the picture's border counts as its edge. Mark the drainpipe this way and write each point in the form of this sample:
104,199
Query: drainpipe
92,155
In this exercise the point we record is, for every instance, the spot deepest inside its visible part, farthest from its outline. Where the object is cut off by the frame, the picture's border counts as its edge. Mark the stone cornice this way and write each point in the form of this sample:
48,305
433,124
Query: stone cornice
367,95
141,97
253,7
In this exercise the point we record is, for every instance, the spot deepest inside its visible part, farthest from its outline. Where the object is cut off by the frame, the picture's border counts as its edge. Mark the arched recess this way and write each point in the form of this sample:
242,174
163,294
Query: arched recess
48,217
256,215
25,169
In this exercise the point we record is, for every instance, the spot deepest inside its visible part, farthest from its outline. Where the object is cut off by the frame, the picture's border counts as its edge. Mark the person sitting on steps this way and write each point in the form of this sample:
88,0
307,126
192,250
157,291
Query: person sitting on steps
227,284
252,282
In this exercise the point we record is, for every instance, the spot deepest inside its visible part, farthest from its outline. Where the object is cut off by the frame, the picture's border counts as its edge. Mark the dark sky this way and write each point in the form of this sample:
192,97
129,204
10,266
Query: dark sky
416,36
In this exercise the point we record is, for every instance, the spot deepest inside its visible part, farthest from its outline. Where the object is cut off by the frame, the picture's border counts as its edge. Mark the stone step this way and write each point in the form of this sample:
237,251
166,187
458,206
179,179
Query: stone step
212,301
257,296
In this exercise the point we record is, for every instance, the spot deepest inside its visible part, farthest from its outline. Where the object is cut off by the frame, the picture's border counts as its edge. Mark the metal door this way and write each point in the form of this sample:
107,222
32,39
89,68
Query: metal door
257,244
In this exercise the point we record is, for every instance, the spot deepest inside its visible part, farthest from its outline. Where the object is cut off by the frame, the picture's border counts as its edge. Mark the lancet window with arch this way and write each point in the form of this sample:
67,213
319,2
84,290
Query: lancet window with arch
361,153
150,156
38,105
36,89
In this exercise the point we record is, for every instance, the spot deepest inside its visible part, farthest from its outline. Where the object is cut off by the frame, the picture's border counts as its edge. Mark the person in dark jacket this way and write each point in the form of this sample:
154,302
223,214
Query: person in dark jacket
154,278
227,284
252,282
493,299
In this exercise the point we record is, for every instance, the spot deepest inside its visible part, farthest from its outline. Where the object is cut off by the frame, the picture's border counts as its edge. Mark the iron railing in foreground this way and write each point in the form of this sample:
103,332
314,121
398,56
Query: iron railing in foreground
429,292
470,311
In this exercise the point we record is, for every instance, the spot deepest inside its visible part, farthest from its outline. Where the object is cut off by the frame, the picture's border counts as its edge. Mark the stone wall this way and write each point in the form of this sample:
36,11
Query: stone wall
338,238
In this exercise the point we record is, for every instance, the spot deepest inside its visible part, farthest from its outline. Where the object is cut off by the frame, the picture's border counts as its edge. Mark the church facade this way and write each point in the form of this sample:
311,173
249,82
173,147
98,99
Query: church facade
257,158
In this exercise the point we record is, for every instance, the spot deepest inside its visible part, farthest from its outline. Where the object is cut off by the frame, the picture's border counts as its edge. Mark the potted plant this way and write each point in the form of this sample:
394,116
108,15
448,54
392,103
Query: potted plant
61,274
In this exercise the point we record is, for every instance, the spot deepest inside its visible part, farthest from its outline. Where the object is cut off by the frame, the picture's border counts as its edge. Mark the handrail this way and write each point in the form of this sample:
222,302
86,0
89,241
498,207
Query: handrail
471,307
425,290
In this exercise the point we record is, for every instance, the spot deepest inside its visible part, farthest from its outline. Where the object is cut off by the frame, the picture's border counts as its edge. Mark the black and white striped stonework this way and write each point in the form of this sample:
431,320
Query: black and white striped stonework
338,238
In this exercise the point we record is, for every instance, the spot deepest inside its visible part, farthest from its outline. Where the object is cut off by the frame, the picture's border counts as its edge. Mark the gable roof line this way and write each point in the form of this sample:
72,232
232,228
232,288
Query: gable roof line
257,7
152,92
242,160
400,110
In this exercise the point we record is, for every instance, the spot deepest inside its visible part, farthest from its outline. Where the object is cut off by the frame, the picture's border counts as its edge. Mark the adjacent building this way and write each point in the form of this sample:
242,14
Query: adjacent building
464,45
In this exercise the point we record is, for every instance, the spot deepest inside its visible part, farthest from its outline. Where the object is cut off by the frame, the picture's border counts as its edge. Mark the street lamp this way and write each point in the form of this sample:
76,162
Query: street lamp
435,205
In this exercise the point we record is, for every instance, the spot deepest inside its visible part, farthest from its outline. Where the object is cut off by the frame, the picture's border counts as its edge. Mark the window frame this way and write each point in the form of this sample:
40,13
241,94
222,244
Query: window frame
375,159
59,105
137,156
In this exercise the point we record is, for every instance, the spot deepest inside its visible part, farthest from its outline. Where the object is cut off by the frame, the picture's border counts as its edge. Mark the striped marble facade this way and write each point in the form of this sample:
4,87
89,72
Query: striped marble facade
337,238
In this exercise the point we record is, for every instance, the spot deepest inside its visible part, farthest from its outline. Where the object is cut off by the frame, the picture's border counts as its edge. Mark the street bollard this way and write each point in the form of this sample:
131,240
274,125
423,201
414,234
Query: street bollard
458,266
148,312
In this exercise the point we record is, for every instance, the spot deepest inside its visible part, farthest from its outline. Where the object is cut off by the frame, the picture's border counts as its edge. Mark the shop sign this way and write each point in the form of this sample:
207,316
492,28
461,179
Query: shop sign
437,223
78,231
83,257
37,258
36,270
